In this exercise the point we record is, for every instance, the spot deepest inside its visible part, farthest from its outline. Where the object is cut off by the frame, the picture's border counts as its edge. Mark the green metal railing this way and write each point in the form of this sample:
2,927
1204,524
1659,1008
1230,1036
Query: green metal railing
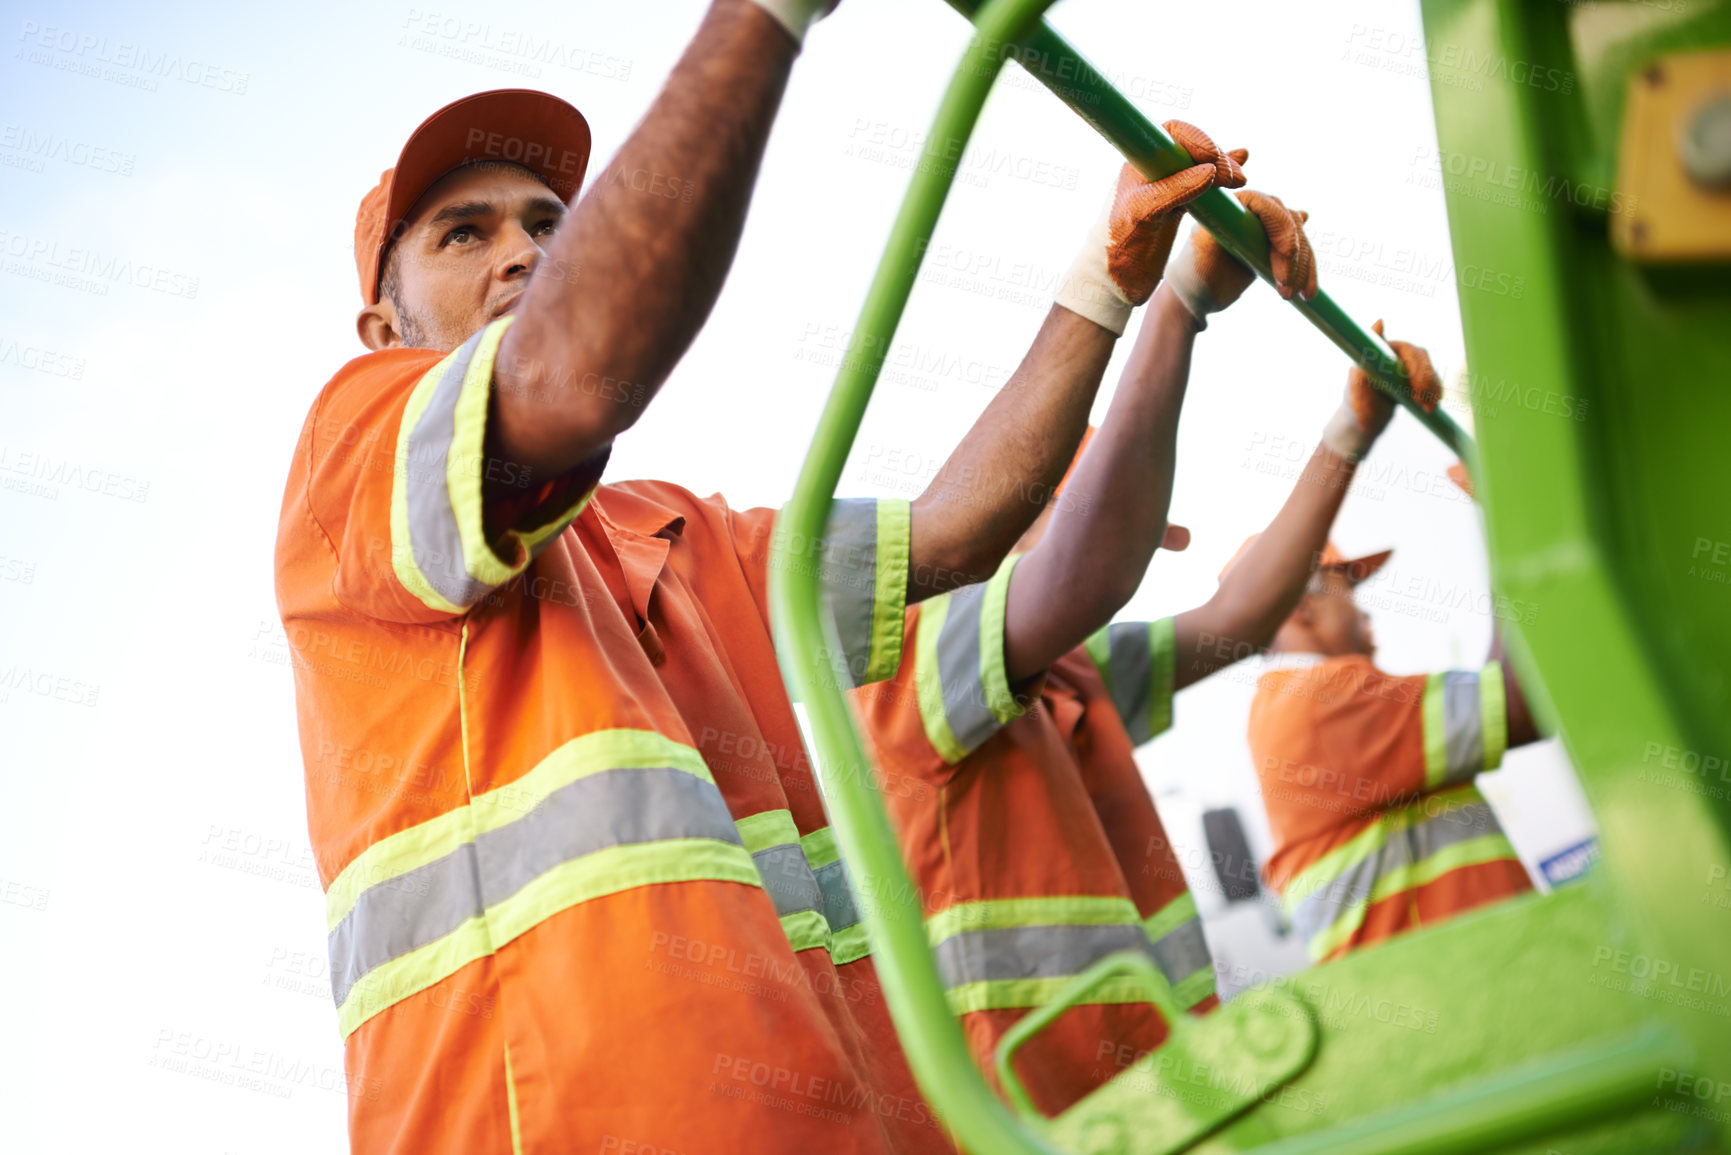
807,647
810,653
1050,59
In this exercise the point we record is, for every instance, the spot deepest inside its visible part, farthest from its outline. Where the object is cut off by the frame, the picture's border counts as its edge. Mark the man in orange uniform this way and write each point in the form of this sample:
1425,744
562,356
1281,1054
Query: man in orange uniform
1006,737
1368,777
578,887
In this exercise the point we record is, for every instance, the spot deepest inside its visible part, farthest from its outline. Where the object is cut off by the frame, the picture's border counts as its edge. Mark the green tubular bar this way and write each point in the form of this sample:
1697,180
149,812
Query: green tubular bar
1053,62
931,1036
1125,962
805,637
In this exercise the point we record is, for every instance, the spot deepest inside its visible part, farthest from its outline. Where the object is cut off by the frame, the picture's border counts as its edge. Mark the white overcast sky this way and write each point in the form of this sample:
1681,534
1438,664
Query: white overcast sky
177,195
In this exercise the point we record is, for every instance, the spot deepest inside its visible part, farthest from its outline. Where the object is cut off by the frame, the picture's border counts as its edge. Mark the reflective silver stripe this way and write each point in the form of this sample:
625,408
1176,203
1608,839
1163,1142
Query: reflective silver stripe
404,913
1319,910
970,718
1130,675
838,906
788,878
434,539
849,575
1025,952
1182,951
601,810
1463,725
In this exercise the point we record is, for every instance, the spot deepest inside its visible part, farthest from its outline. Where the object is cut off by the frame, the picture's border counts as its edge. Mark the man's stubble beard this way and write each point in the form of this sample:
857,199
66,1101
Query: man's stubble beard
411,332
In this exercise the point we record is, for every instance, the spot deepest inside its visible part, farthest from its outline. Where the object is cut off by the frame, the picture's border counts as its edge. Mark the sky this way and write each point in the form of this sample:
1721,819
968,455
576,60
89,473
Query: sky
177,197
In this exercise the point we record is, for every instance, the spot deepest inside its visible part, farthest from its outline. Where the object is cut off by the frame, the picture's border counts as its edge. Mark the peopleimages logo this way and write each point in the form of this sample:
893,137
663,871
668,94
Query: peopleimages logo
107,59
529,153
41,258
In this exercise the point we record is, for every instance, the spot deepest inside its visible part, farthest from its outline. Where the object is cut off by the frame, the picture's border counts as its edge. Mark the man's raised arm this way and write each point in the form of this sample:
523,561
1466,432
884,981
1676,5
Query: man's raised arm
1092,558
1259,590
994,484
629,278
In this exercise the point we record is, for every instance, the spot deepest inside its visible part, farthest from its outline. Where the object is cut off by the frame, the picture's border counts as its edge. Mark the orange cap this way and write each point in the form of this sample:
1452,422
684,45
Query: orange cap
1357,569
519,126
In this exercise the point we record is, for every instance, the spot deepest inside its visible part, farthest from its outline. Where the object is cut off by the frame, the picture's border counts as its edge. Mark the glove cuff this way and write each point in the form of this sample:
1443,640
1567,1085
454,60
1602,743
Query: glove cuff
1191,290
796,15
1344,436
1088,289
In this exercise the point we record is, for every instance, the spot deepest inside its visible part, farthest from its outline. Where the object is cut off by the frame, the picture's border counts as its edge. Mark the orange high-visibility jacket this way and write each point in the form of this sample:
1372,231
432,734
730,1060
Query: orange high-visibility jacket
701,571
552,925
1368,783
993,797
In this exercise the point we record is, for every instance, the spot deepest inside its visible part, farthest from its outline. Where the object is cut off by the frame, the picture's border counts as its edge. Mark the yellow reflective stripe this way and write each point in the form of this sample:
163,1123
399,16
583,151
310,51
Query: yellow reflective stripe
849,943
618,868
805,929
776,828
928,680
1180,910
431,840
466,463
1163,659
579,880
624,866
579,758
993,677
1342,858
402,550
394,856
511,1105
1435,734
1190,991
465,467
1493,714
1475,852
1336,862
768,828
890,597
1056,910
413,973
820,847
999,994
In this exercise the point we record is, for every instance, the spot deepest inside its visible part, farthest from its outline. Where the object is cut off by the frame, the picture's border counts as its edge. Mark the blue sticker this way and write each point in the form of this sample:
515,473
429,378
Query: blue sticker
1568,865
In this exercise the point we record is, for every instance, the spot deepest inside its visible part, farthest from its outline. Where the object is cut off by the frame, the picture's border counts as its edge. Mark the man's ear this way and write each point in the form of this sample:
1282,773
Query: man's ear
377,326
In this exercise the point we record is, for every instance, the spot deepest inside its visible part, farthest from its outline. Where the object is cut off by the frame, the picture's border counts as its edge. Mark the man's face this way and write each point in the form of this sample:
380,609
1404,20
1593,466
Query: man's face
463,258
1337,622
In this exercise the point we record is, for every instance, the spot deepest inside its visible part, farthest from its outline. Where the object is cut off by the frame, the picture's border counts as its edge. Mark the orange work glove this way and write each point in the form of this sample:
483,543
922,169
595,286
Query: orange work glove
1366,411
1207,278
1126,252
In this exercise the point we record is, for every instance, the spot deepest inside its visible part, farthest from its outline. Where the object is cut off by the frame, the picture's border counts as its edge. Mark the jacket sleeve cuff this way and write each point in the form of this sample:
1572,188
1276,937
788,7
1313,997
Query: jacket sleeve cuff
959,676
865,581
439,546
1465,724
1137,661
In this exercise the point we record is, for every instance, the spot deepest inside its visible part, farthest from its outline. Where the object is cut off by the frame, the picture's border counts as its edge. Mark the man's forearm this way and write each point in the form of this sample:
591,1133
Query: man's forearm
1264,585
1113,512
997,480
632,274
